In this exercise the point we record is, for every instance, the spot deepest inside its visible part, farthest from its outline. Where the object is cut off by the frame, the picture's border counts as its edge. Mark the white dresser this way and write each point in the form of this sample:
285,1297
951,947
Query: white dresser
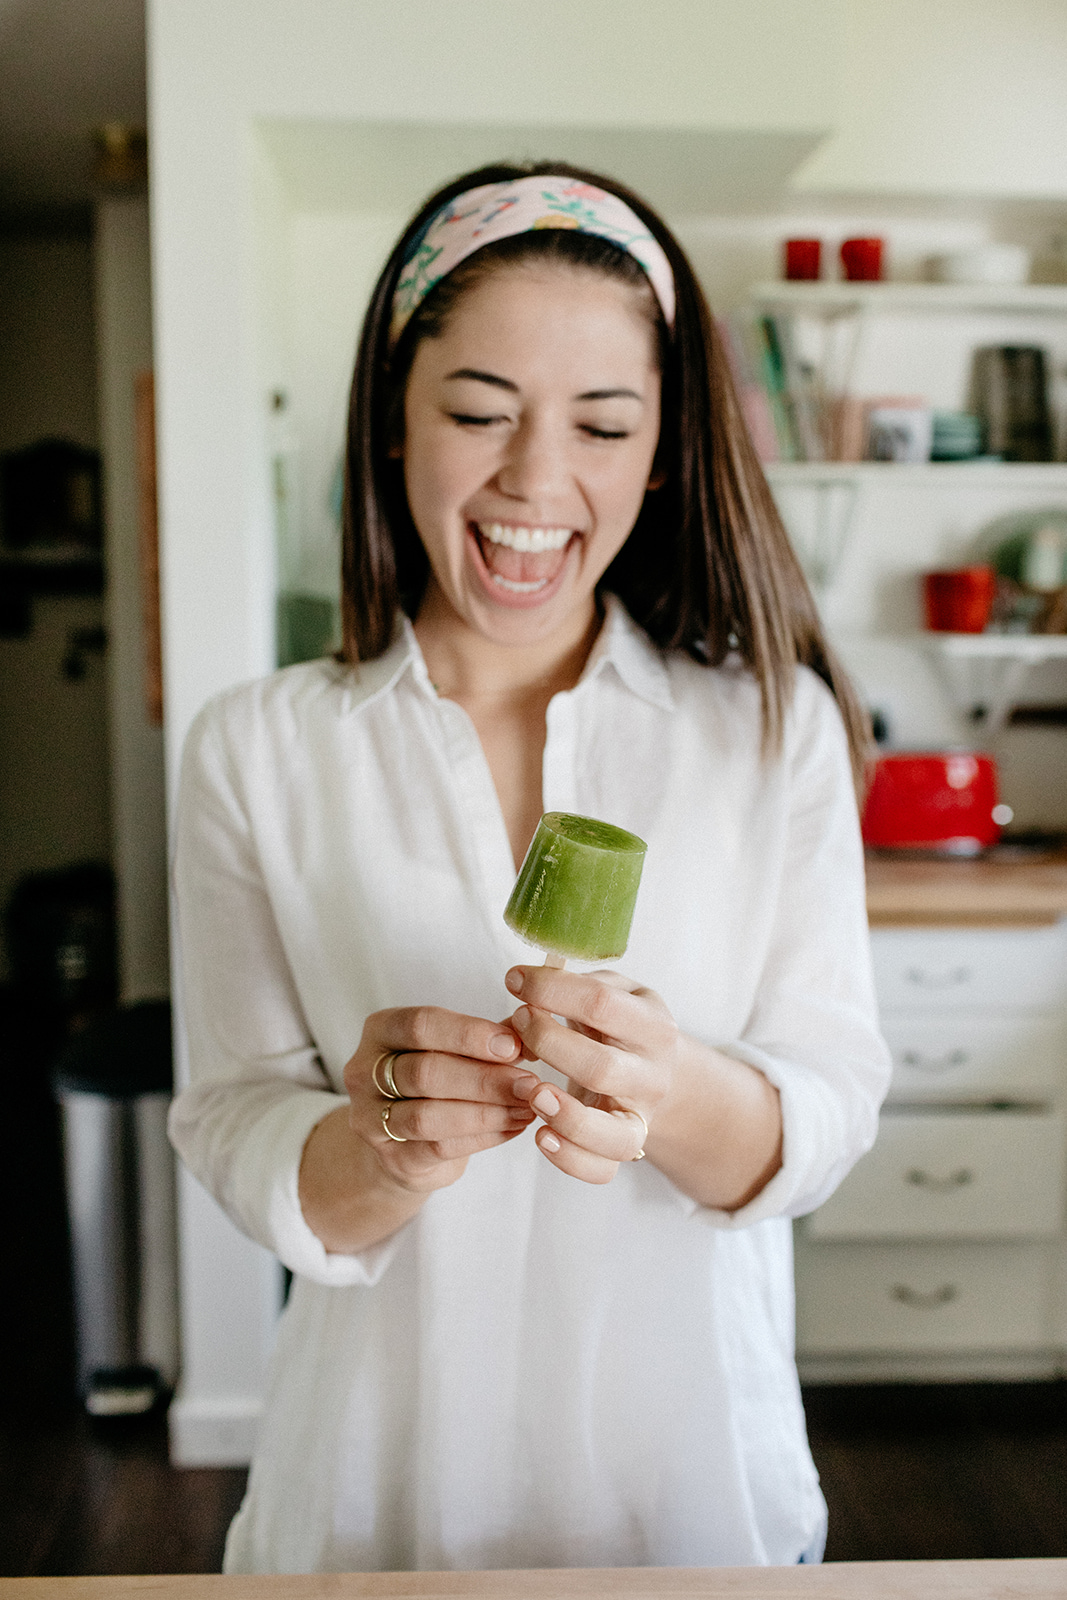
942,1253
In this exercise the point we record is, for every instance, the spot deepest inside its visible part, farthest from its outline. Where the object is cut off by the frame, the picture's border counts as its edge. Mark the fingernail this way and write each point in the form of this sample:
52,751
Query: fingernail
524,1087
521,1018
549,1143
514,980
522,1119
546,1103
503,1044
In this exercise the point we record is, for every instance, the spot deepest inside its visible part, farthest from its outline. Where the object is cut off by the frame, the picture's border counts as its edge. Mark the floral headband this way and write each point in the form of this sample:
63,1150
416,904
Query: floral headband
520,205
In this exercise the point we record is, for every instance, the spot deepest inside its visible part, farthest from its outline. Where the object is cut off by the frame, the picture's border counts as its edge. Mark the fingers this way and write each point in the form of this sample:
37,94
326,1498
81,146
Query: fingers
607,1003
618,1046
426,1075
434,1028
585,1141
436,1052
574,1161
451,1128
601,1068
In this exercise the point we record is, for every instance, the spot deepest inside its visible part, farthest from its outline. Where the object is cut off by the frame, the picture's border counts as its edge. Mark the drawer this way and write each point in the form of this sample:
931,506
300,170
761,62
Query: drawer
943,969
922,1298
976,1057
952,1175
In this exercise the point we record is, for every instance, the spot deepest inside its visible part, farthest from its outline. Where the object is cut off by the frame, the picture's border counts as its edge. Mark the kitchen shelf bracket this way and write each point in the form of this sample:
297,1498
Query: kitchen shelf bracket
984,672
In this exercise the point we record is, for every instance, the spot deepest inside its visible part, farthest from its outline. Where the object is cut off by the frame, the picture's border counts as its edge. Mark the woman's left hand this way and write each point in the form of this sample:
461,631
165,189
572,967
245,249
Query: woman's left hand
620,1051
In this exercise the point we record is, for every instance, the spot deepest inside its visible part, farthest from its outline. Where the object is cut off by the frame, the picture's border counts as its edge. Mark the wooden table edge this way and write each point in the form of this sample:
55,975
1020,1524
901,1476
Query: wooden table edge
877,1580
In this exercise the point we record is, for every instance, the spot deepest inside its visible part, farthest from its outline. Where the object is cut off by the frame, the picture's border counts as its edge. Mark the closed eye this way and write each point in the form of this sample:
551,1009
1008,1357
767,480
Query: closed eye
467,420
605,433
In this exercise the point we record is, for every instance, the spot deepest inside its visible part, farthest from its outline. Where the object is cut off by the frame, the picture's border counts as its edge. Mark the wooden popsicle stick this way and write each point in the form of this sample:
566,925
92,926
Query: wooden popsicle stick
552,960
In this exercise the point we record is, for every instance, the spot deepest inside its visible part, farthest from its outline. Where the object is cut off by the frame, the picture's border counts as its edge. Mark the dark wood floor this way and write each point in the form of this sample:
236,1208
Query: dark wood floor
908,1473
942,1472
79,1497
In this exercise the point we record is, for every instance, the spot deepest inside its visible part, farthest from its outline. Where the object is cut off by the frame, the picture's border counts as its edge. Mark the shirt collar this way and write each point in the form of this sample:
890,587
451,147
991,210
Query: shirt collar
369,680
620,644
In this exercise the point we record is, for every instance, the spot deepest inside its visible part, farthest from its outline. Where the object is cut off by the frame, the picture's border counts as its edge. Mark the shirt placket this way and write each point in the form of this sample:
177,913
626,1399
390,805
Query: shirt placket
480,821
559,764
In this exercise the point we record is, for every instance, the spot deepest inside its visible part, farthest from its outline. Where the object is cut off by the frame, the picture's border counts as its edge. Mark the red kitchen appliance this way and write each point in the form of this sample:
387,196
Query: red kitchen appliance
933,800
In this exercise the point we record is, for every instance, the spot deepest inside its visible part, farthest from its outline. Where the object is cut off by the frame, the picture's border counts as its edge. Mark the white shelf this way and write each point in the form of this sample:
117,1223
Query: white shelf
954,474
843,299
986,671
1028,647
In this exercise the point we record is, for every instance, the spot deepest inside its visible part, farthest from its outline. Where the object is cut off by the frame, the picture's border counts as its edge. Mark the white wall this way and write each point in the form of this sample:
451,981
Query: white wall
948,97
281,133
124,348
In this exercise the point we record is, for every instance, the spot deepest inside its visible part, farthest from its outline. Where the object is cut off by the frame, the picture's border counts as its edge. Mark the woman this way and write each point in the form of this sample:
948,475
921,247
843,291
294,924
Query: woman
565,587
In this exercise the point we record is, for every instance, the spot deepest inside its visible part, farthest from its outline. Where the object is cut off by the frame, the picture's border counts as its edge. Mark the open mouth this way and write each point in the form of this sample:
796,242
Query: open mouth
521,561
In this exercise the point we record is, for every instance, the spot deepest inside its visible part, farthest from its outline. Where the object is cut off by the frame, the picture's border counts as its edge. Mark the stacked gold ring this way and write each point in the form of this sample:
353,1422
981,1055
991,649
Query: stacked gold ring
630,1111
387,1086
397,1138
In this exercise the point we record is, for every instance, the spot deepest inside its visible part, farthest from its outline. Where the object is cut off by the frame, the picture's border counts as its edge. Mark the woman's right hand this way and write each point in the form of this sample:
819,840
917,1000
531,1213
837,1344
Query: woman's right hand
457,1076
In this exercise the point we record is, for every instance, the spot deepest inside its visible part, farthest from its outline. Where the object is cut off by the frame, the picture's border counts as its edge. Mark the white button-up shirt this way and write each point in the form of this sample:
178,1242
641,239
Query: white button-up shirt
533,1371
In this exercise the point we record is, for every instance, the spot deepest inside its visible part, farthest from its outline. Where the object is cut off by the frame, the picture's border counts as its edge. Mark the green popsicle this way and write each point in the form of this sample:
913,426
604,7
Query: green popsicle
575,892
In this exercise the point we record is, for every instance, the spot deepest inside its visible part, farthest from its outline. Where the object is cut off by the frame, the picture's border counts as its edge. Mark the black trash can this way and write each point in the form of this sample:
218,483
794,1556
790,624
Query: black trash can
113,1082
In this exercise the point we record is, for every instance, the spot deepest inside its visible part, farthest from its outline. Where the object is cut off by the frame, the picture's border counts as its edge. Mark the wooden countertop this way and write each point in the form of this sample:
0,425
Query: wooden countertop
1001,889
875,1580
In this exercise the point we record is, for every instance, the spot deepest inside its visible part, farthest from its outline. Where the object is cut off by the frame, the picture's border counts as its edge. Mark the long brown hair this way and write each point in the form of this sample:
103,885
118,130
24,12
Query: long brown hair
708,567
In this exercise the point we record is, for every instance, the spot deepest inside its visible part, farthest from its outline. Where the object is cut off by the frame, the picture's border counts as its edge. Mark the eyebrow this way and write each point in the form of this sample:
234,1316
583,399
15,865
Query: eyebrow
612,394
513,388
483,377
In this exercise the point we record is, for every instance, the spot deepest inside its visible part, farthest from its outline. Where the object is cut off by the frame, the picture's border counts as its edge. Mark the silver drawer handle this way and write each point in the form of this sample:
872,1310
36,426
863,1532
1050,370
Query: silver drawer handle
934,1064
924,1302
926,1180
939,980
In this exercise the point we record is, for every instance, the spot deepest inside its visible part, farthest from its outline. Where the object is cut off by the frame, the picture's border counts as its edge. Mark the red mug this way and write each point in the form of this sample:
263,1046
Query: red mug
802,258
862,260
960,601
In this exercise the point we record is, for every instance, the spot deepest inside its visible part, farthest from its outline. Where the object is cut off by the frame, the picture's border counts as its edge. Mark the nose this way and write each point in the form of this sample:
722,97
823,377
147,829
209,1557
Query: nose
534,468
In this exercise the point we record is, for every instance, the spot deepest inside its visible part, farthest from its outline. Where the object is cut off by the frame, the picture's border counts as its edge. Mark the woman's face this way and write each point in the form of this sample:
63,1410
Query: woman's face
530,426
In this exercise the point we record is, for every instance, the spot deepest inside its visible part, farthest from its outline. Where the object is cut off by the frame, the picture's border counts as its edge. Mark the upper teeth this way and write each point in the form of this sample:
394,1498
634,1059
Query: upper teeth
529,541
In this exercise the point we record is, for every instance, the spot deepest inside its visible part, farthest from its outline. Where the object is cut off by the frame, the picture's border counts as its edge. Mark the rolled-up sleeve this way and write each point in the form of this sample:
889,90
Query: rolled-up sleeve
256,1084
813,1031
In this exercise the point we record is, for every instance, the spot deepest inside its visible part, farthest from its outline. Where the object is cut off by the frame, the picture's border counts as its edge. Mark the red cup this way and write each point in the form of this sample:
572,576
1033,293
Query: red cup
960,601
862,260
802,257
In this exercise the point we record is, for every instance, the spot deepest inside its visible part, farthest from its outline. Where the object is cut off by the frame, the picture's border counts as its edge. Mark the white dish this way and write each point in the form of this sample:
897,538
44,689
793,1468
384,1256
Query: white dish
982,263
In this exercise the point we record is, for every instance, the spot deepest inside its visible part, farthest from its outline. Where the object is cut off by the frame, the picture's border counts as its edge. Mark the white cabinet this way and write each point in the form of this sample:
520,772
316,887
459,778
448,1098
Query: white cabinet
881,1310
942,1174
981,971
973,1056
940,1254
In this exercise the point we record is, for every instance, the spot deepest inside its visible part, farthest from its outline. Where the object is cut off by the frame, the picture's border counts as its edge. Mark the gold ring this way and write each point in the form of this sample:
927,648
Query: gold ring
388,1089
396,1137
631,1112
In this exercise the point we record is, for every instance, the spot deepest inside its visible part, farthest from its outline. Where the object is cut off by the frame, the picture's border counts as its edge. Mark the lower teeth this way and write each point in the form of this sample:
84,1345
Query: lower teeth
519,588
